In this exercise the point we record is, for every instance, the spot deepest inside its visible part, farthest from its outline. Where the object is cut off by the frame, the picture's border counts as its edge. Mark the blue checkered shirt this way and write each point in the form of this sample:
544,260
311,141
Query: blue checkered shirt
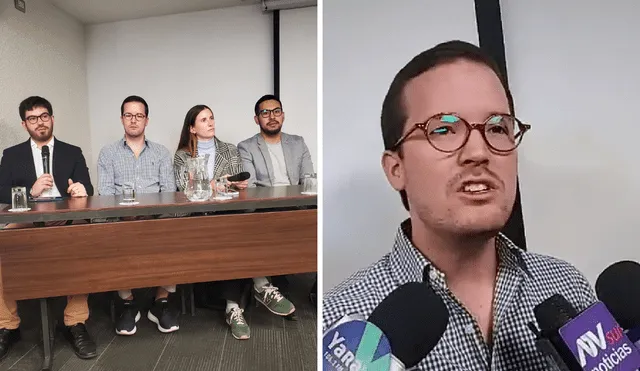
151,172
524,280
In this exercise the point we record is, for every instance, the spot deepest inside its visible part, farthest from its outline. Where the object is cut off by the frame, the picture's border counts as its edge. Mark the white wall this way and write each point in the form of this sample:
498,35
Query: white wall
42,53
299,74
574,74
365,44
222,58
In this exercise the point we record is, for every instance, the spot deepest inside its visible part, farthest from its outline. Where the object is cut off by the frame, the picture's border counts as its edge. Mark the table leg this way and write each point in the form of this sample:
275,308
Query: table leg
47,336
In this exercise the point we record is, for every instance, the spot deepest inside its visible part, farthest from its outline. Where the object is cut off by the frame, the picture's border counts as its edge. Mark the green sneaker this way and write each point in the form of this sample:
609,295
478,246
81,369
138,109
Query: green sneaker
273,300
239,326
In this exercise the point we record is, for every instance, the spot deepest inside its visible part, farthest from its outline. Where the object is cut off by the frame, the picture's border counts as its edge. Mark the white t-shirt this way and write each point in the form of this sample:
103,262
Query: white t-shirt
280,177
37,161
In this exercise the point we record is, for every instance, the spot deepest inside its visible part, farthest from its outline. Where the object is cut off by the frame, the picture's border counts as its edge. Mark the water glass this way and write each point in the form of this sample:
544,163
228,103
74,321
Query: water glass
19,198
128,193
310,184
222,187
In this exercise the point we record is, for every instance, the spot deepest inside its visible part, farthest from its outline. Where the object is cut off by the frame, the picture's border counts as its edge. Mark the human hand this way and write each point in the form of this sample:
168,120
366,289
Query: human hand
42,184
76,189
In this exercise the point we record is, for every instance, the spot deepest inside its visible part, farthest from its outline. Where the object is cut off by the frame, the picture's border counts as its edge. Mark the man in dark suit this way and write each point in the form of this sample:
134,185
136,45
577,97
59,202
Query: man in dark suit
22,165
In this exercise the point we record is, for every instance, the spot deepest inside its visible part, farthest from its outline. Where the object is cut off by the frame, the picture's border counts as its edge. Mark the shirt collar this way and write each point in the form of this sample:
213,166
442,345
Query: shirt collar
50,144
210,144
124,141
408,264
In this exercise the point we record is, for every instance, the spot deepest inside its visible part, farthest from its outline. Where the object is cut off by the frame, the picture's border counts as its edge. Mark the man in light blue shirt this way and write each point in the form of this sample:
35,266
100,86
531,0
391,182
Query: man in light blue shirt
146,166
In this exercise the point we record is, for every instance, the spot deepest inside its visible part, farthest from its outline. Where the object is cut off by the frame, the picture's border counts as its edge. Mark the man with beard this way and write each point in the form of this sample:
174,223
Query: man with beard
450,150
146,166
22,166
274,158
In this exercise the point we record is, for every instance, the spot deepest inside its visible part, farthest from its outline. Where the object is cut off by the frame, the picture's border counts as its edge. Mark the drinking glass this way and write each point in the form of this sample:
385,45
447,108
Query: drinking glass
310,184
128,193
19,198
221,191
222,186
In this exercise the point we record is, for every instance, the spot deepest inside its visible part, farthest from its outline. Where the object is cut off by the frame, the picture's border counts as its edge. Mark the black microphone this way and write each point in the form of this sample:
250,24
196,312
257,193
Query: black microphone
399,333
239,177
589,340
551,315
45,159
401,316
618,287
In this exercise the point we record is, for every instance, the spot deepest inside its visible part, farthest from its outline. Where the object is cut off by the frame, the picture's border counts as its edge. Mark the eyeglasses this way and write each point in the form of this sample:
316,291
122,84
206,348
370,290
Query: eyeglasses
447,132
130,116
277,112
45,117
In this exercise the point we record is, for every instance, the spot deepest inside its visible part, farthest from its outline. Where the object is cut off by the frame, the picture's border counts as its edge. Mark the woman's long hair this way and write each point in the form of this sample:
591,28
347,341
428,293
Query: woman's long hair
188,141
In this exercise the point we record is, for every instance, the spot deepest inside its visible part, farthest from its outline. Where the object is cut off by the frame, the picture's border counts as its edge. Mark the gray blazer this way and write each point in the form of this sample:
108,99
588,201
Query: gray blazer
256,159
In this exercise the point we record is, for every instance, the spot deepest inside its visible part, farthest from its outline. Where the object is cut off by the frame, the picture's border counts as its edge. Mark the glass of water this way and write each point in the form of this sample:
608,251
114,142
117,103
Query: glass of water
310,184
222,186
19,198
128,193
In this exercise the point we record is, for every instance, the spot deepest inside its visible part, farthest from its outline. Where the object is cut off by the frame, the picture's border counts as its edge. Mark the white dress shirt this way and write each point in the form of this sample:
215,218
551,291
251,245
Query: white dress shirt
37,161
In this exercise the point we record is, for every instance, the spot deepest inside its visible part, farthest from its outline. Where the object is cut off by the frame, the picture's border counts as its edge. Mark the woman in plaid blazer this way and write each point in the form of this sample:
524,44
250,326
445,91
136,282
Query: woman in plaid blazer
198,139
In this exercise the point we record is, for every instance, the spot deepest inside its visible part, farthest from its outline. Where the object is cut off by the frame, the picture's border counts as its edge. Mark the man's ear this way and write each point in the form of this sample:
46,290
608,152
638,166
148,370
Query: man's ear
393,167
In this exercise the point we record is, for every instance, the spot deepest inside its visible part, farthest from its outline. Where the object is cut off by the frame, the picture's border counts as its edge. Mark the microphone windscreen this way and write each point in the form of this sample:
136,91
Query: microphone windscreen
414,318
239,177
45,150
618,287
554,313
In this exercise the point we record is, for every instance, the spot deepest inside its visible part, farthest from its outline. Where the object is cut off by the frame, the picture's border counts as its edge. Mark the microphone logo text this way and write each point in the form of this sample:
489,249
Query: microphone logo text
347,360
356,346
591,344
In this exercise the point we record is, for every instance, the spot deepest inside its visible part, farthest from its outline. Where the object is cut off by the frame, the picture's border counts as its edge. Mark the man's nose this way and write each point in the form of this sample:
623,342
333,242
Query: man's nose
476,150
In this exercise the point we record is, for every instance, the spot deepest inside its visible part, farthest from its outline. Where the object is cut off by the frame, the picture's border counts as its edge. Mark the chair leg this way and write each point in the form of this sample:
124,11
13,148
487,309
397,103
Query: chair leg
183,299
112,308
192,299
245,298
313,294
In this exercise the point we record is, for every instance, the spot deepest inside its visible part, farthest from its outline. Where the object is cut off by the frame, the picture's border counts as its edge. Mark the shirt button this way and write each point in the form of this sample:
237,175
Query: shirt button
469,329
433,274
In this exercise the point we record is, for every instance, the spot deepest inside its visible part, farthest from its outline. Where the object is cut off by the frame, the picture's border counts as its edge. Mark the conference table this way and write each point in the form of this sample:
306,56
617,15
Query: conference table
164,239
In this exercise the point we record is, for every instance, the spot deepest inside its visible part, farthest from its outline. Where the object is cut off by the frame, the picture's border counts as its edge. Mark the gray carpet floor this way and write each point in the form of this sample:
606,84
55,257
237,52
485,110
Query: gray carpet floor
203,342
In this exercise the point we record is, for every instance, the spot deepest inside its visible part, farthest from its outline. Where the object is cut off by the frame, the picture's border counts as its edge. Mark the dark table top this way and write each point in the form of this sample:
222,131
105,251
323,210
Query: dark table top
156,203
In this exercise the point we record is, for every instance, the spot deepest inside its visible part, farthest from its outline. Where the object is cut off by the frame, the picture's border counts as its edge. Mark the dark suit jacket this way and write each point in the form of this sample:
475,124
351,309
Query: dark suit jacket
17,169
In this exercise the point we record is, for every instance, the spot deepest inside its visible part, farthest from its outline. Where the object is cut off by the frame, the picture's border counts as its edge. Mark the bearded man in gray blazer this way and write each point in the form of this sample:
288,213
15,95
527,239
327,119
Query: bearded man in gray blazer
274,158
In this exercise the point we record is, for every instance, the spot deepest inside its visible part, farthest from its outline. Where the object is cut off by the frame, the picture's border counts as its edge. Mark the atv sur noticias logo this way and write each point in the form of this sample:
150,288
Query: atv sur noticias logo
592,344
598,342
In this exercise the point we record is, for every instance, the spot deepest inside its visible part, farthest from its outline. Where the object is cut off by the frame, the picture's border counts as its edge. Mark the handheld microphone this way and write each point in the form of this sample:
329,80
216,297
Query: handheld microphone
618,287
45,159
239,177
398,334
590,340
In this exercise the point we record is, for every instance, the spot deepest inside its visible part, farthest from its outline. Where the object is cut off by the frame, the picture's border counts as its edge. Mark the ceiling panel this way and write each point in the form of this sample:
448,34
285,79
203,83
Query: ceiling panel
101,11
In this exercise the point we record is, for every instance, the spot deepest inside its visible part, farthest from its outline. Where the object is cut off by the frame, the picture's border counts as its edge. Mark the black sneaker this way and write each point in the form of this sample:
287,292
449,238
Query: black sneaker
126,324
163,316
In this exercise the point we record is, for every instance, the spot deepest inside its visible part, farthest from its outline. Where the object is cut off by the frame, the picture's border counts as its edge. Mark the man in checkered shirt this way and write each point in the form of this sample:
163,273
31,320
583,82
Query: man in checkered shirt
459,186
